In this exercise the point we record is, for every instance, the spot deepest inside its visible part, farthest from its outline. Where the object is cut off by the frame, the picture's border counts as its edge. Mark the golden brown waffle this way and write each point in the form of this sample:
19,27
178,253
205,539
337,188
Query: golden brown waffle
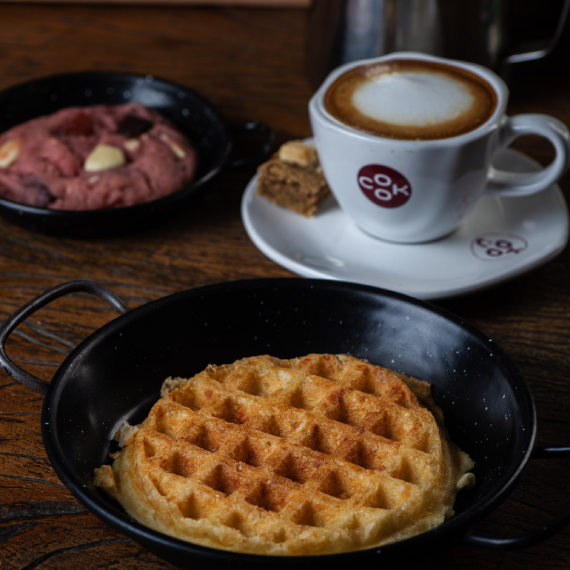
314,455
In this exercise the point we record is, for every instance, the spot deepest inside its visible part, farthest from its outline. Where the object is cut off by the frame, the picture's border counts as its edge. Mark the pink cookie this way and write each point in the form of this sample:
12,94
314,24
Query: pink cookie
88,158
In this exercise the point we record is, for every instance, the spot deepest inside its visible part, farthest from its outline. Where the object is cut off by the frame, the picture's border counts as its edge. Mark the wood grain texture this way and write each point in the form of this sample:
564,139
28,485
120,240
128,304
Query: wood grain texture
250,63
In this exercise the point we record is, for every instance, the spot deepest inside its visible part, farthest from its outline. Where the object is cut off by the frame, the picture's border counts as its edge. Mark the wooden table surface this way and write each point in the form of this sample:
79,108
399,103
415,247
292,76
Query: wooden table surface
250,63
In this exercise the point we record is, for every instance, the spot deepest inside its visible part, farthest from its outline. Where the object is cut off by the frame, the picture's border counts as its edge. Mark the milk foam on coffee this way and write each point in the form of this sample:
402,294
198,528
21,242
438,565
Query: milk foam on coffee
409,99
413,98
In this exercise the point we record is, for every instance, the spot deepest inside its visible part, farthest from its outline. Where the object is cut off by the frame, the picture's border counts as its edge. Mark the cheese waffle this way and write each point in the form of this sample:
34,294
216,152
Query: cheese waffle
312,455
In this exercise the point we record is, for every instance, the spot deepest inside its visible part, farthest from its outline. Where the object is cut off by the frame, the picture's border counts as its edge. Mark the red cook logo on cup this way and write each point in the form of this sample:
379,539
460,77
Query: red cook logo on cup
384,186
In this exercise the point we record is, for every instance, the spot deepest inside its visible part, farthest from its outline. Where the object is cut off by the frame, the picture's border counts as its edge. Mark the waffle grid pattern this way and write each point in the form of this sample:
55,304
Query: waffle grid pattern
309,455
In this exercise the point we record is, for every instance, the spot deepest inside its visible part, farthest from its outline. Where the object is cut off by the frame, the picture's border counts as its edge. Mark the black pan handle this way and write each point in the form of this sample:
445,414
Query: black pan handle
31,307
537,535
264,152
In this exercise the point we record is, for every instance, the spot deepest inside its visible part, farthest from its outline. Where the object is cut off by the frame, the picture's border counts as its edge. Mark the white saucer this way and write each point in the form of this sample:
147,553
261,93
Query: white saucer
501,239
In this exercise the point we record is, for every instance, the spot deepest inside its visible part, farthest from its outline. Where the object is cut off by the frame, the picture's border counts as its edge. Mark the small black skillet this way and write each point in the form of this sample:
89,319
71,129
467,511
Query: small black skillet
116,373
193,115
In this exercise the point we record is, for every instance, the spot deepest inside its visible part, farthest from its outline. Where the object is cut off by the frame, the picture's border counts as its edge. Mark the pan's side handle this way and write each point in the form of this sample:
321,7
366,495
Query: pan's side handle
31,307
537,535
265,150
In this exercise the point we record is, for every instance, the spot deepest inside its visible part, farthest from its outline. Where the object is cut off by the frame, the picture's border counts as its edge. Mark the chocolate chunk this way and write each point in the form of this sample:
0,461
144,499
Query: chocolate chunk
132,126
80,125
42,194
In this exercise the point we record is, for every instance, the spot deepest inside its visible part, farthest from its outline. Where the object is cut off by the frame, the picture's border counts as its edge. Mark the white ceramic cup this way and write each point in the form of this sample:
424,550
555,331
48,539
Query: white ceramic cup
412,191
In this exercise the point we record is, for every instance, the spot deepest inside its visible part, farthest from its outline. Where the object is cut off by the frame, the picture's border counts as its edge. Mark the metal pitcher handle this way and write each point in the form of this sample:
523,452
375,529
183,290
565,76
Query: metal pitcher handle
539,54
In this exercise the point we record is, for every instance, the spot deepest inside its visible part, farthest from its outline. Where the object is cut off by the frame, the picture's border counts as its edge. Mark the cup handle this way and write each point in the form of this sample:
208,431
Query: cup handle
501,182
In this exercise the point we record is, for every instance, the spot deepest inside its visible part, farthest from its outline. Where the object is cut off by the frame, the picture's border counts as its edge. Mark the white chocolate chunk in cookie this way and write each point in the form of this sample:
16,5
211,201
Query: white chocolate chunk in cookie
297,152
174,146
9,152
132,144
103,157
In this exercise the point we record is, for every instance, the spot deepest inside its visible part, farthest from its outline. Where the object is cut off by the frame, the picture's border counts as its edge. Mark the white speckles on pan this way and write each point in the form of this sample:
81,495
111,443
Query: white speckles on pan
472,397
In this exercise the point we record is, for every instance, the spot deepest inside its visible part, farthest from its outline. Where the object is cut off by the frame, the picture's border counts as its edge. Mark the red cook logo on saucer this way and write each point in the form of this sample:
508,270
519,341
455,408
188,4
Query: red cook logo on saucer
493,247
384,186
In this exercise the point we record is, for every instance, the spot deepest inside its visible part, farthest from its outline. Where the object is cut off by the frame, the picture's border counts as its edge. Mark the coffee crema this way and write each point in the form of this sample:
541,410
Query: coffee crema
411,100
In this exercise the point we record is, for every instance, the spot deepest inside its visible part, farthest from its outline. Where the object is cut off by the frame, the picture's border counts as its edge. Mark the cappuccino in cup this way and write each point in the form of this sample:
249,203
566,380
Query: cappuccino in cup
406,142
411,100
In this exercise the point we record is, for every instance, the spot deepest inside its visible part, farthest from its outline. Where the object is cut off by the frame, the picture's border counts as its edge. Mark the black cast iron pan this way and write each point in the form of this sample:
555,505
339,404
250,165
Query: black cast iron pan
193,115
116,374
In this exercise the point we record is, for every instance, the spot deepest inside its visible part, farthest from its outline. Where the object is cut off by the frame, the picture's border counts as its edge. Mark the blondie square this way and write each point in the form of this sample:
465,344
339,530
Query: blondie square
294,179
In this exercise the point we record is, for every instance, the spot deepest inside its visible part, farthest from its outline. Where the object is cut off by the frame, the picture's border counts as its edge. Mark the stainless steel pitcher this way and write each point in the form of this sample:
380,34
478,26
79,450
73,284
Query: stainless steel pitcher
340,31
